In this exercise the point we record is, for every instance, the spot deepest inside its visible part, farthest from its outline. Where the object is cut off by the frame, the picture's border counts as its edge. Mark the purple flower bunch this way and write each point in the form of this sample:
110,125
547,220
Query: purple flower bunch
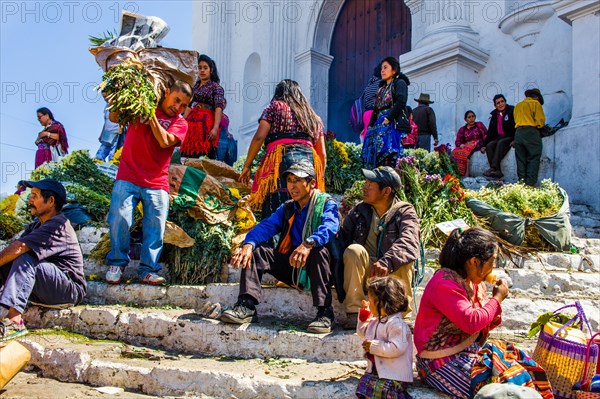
433,178
409,160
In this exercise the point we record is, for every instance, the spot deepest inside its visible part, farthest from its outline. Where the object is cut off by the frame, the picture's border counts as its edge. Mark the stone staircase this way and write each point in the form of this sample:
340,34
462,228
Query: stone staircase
151,340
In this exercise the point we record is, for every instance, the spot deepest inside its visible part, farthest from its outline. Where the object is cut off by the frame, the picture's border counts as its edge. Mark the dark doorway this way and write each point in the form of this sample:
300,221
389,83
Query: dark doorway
365,32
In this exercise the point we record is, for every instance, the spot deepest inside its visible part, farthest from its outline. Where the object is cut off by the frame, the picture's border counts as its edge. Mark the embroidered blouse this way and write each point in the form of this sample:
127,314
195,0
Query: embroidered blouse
466,134
284,123
210,93
452,314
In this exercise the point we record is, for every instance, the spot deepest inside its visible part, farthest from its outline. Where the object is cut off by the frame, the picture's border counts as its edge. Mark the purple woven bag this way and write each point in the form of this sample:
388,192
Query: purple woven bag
564,359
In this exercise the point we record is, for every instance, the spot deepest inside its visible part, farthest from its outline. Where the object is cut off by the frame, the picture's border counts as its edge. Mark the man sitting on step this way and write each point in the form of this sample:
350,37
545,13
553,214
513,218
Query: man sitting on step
380,236
306,223
45,264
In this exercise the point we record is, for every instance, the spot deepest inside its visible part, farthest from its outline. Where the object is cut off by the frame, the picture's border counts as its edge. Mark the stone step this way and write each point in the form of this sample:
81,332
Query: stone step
185,331
547,290
76,359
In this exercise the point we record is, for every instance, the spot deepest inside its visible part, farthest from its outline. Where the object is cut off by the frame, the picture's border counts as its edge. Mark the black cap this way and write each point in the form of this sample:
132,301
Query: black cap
50,184
385,175
302,169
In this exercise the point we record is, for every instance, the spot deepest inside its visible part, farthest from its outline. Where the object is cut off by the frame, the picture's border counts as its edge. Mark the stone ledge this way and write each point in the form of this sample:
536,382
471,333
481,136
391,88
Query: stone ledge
184,331
101,364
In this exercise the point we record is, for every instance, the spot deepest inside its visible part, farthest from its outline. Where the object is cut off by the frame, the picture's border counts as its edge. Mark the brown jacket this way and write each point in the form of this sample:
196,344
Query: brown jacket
401,232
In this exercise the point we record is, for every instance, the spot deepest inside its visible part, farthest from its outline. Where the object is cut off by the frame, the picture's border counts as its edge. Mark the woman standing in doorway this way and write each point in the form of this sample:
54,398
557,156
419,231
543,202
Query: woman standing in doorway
389,123
205,112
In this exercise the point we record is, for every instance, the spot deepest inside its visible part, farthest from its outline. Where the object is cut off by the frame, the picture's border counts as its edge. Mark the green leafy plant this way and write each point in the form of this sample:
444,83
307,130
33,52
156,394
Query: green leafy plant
343,164
130,92
102,38
560,318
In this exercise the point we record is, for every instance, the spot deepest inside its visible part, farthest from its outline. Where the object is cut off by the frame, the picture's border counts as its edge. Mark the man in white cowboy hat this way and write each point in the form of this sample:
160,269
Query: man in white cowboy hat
424,117
529,118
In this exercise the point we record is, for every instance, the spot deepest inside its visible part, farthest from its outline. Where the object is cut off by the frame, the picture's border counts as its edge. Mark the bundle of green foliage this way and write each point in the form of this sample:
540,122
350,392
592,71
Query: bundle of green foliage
437,162
523,200
202,263
77,167
129,91
10,225
84,182
343,164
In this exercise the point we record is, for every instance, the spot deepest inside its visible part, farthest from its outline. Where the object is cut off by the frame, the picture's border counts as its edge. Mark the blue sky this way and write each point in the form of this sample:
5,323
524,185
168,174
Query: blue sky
45,62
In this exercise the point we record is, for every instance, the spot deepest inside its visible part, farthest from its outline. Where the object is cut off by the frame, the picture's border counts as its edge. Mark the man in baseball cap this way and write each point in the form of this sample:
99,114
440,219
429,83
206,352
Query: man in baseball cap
49,247
380,236
306,224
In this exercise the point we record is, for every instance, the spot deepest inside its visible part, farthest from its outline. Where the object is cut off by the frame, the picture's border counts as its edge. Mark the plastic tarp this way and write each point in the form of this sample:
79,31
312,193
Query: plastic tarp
556,228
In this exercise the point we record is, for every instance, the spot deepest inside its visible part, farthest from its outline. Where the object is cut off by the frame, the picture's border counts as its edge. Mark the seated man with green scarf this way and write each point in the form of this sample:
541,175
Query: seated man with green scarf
301,259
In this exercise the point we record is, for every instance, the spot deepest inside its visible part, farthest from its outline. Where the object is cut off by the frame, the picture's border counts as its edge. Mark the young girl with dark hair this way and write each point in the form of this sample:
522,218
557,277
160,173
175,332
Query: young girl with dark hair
389,123
455,317
205,112
387,341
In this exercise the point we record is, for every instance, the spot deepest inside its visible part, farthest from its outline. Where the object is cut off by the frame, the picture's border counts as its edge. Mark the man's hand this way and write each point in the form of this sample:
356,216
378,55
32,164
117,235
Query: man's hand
379,270
435,142
243,257
299,256
482,150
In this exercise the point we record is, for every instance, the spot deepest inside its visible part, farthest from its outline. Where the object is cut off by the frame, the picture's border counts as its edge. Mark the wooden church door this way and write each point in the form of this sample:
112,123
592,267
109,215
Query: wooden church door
365,32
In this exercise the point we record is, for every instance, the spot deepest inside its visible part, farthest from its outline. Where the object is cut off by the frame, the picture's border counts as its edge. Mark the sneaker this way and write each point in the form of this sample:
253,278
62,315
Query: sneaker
152,279
60,306
323,323
10,330
351,321
243,312
113,275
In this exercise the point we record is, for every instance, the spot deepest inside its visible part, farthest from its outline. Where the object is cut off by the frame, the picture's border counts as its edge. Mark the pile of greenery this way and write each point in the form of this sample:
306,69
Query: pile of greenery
523,200
84,182
10,225
129,91
202,263
343,164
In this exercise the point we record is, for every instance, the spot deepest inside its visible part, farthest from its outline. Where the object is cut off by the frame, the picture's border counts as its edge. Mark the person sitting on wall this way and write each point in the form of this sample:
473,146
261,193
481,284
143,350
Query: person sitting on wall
469,139
500,136
380,236
306,223
44,265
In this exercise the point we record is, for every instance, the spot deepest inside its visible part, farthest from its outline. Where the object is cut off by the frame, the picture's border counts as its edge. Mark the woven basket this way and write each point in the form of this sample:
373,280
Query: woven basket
564,359
580,394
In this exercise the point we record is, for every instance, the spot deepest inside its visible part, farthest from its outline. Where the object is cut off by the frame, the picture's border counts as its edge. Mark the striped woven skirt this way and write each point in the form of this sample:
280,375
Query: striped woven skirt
371,386
464,374
462,155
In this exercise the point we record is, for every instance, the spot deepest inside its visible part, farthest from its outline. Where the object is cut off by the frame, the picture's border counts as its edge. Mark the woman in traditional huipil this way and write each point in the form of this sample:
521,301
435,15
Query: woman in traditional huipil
290,130
205,112
52,140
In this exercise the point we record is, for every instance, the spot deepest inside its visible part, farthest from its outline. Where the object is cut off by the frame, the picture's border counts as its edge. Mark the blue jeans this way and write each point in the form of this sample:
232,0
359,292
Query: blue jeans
155,203
106,150
27,277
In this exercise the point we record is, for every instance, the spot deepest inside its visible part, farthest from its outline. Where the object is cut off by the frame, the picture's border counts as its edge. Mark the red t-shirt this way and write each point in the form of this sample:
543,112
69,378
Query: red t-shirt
143,162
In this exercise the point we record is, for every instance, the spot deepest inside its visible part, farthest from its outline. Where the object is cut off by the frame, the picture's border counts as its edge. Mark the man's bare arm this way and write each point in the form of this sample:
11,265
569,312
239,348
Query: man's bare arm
12,252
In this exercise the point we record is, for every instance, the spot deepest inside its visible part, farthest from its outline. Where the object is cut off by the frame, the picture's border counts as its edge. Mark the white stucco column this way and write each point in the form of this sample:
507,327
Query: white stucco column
578,145
312,71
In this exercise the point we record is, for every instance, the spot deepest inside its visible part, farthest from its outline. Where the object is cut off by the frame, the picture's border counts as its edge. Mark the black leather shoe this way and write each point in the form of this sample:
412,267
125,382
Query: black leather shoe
242,312
323,323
